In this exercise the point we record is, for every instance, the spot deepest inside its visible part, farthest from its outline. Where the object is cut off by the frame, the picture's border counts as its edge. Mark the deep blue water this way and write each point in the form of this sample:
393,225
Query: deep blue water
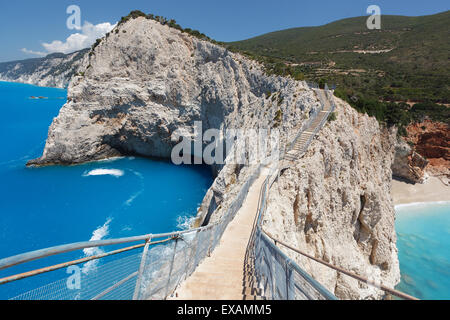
424,250
44,207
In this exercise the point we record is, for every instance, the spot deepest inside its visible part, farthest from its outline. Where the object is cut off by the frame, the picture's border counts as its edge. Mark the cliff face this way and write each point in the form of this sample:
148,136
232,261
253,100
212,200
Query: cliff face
335,204
54,70
409,165
432,141
146,80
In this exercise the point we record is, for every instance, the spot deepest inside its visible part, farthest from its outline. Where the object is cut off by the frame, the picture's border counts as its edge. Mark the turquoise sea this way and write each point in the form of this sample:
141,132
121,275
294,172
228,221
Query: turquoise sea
424,249
44,207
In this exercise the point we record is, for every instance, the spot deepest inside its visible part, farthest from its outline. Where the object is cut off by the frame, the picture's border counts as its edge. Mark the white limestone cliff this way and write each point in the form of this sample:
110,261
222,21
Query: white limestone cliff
335,204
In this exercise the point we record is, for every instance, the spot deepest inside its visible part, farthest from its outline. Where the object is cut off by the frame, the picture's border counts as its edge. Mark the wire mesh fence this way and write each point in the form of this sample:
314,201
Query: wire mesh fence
168,269
92,282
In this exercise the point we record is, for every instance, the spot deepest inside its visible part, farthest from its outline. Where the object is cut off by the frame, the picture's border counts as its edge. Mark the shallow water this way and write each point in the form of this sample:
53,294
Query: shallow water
44,207
423,232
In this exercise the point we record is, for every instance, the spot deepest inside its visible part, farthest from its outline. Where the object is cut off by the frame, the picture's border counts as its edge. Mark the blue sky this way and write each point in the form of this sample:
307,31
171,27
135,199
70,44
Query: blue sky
28,24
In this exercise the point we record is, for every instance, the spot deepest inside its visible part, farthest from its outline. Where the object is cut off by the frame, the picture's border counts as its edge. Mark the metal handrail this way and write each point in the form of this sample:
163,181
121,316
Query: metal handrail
74,262
43,253
323,291
348,273
259,231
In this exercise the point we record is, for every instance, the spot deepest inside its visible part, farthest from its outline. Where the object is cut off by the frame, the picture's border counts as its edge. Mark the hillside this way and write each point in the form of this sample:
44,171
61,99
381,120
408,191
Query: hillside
54,70
407,60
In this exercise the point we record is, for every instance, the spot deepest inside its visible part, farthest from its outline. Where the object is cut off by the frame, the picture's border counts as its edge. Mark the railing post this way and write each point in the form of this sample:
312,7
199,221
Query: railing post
141,269
171,268
288,279
211,242
186,259
195,255
273,274
257,257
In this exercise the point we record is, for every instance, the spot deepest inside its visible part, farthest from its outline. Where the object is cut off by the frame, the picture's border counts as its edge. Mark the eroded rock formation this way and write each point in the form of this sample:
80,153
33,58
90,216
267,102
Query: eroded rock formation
409,165
432,141
146,80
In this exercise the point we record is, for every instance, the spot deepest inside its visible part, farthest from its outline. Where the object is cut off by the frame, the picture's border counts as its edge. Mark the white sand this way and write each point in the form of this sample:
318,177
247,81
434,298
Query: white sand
431,191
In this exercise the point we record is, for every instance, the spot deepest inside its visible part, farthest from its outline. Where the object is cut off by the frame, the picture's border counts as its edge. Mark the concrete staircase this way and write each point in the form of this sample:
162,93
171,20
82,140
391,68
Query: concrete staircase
300,144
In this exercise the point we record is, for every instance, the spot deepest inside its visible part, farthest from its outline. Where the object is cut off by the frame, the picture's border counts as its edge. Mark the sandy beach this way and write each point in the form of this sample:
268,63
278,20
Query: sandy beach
431,191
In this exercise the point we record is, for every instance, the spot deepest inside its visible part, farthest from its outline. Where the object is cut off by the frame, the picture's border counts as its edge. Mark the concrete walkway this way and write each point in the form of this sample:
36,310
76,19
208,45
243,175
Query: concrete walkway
224,275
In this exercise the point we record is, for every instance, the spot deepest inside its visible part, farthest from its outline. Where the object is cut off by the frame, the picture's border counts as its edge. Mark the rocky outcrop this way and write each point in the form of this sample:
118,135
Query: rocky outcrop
146,80
408,165
54,70
432,141
335,204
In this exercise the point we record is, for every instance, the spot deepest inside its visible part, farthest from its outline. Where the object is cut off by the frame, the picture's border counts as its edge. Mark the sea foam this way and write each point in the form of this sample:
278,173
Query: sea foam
98,234
104,172
421,204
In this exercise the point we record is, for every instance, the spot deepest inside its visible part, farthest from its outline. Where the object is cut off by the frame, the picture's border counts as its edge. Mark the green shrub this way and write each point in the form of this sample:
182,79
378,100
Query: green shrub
322,83
97,42
395,114
332,117
280,100
164,21
278,116
429,110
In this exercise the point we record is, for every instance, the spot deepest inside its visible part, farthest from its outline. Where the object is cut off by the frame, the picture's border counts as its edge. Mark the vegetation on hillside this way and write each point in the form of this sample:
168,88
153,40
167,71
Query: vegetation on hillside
399,114
29,66
376,71
164,21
